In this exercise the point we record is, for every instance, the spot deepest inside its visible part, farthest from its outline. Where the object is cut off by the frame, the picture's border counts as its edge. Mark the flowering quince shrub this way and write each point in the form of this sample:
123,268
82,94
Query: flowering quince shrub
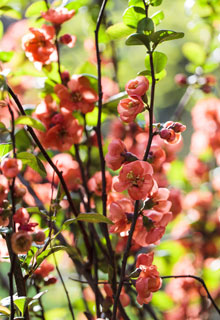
93,199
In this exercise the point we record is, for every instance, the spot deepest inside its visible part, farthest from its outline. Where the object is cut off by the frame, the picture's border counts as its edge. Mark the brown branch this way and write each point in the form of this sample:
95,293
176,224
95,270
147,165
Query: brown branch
202,283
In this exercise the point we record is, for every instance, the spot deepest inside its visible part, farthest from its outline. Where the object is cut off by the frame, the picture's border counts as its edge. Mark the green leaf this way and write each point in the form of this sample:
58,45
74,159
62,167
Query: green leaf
22,140
10,12
76,4
165,35
22,303
145,25
46,253
159,61
2,126
29,121
1,29
138,39
93,218
157,17
33,210
35,9
119,31
133,15
5,148
33,161
136,3
194,53
156,3
6,56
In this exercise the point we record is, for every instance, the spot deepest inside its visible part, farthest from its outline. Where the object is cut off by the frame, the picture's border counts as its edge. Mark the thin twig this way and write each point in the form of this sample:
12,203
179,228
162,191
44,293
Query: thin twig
183,101
64,287
99,138
40,302
202,283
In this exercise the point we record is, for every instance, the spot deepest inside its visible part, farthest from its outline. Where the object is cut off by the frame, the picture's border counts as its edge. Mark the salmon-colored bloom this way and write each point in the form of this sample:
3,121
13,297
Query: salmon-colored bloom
137,178
149,280
160,200
124,297
64,131
171,132
116,154
78,95
39,46
137,86
58,16
4,219
95,183
21,242
129,108
118,213
11,167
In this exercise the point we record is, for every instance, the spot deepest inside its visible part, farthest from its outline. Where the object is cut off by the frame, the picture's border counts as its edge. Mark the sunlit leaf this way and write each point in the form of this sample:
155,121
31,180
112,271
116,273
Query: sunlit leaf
5,148
165,35
159,61
46,253
34,162
29,121
138,39
35,9
133,15
119,31
93,218
6,56
157,17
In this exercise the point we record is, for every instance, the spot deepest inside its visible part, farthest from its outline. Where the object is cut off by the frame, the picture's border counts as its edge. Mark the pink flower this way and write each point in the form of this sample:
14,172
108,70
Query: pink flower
21,242
58,16
156,157
129,108
78,96
137,87
11,167
95,183
136,177
118,214
116,154
149,281
68,40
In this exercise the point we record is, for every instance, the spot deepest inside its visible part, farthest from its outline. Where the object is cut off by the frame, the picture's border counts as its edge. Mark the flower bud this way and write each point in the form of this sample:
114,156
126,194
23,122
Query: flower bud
21,242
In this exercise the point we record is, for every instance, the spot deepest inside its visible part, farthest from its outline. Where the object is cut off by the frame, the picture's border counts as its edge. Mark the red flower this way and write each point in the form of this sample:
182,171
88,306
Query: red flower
78,96
129,108
137,87
118,214
136,177
58,16
39,46
21,216
64,131
171,132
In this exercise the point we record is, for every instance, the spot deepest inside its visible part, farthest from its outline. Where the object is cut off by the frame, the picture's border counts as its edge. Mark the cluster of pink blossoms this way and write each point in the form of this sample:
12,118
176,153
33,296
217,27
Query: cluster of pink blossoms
39,44
144,181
